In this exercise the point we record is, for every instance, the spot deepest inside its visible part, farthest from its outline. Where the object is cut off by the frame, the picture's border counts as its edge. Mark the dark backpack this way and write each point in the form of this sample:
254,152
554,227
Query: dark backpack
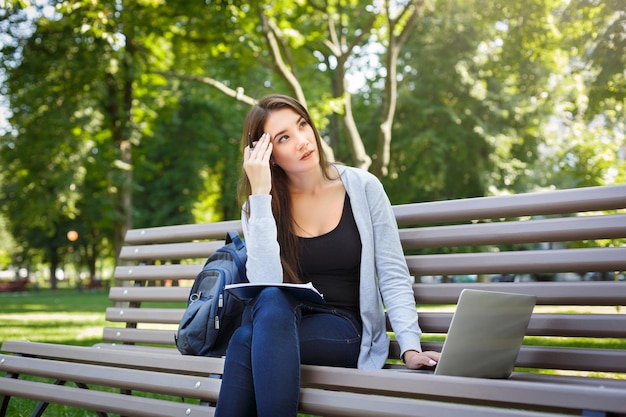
212,315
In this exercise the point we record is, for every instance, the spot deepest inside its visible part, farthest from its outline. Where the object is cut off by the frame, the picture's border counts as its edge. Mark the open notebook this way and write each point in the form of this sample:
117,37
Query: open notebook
303,292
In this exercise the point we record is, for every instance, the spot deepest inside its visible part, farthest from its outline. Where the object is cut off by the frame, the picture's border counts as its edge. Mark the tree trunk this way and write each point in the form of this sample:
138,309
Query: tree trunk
361,158
359,155
122,108
380,167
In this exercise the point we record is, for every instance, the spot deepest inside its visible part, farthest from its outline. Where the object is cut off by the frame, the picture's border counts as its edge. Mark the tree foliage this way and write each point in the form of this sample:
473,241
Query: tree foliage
129,113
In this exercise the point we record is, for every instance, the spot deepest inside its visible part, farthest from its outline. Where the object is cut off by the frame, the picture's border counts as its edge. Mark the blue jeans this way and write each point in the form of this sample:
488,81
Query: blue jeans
262,367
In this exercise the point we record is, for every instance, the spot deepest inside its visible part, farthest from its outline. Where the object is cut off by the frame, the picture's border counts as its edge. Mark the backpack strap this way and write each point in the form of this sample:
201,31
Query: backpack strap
233,236
239,253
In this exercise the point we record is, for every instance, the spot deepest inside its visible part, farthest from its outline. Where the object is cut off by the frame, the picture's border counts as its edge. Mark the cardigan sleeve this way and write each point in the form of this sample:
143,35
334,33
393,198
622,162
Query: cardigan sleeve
394,280
259,229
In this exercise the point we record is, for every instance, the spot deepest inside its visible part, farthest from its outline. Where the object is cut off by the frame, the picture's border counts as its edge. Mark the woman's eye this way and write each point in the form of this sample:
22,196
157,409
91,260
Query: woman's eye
282,139
303,123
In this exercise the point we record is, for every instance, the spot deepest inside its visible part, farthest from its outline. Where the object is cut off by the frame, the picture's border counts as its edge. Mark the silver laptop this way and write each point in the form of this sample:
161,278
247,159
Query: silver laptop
485,334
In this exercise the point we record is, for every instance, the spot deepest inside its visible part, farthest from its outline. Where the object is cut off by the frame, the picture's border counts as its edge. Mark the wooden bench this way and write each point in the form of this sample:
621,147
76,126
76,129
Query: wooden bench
138,356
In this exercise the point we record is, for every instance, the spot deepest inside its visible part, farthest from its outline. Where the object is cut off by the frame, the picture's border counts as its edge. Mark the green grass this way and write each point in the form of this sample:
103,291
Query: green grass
65,316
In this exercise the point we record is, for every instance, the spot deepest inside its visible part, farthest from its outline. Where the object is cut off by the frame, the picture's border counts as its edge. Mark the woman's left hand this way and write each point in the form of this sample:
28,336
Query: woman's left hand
416,360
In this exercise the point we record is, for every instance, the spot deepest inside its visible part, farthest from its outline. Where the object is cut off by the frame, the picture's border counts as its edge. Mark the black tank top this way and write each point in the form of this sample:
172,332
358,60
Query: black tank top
332,262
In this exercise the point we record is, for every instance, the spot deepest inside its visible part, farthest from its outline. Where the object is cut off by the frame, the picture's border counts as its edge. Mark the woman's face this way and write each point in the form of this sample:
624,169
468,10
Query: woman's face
293,141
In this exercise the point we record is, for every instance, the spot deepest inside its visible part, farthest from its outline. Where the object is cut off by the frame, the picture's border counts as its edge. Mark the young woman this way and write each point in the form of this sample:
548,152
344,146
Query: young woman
307,220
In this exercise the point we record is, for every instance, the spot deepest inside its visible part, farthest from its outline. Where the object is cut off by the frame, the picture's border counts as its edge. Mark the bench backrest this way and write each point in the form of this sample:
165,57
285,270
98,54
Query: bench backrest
518,237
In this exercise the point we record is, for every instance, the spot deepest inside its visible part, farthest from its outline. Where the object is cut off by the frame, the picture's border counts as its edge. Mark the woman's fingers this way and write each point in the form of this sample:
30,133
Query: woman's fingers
262,148
257,166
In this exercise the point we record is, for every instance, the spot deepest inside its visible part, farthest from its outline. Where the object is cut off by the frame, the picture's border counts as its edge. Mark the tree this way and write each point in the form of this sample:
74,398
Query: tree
297,40
41,156
595,37
482,86
400,24
71,82
129,112
585,143
190,149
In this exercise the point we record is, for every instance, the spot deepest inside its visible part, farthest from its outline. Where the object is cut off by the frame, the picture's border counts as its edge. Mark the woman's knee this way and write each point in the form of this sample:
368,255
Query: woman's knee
273,298
274,304
273,295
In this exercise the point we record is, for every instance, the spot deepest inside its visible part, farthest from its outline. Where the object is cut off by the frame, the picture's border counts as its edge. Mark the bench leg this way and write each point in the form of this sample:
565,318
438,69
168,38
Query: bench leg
4,406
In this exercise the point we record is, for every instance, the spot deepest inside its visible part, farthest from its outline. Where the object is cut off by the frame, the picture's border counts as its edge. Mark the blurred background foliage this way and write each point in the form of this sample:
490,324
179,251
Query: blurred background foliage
122,114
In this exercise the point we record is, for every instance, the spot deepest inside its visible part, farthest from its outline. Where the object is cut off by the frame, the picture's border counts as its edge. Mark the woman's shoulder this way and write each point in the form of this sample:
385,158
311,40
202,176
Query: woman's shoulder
353,172
360,183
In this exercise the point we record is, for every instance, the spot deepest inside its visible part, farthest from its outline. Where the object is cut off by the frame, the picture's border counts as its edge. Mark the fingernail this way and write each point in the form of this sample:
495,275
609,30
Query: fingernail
432,363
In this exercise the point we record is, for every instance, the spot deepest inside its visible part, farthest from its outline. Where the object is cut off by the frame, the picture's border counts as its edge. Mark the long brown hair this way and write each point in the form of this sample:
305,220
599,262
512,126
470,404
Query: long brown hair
281,198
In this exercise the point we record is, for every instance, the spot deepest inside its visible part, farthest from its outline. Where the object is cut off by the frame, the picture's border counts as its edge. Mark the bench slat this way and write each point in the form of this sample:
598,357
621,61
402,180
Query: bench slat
519,205
575,359
563,325
536,261
333,403
578,325
126,405
425,386
531,261
157,272
143,358
144,315
569,380
155,294
181,233
548,357
130,335
512,232
170,251
605,293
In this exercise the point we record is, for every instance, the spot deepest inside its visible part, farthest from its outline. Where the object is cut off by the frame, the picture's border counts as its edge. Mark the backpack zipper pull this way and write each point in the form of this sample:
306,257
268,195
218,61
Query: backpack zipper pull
217,323
220,301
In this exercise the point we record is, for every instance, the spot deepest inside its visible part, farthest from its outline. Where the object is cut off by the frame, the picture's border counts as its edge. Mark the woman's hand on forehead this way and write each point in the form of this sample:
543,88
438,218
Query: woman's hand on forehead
256,163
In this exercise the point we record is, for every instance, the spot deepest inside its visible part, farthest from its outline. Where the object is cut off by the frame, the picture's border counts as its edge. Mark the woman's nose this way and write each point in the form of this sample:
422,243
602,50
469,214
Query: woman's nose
302,141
